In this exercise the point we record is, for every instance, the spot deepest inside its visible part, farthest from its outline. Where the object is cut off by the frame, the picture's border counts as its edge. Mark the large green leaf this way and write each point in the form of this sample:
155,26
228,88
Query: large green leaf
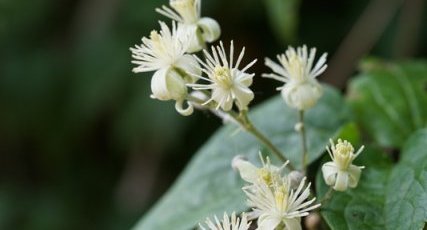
406,202
386,197
208,186
390,100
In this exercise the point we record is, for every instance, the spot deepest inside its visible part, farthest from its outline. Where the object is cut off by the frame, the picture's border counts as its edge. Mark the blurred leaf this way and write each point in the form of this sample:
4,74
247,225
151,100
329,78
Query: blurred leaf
351,133
362,207
390,100
209,186
406,202
283,15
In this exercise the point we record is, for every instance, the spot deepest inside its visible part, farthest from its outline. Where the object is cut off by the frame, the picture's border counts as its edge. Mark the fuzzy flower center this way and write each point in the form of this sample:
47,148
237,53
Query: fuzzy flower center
280,196
343,153
222,77
296,67
265,175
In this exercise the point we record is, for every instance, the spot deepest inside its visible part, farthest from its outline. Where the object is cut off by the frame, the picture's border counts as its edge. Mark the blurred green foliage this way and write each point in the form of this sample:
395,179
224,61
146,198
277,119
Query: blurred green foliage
81,144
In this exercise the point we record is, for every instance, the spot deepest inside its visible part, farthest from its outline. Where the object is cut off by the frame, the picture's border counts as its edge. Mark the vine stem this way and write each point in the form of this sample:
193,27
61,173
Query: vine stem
246,123
243,120
303,137
327,196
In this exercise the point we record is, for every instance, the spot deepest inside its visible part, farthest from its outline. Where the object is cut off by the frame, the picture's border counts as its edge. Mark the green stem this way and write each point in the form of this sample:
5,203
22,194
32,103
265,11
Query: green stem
327,196
244,121
303,140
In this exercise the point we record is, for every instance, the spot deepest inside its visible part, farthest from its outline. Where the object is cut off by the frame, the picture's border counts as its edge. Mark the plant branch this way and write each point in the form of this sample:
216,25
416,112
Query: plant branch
303,137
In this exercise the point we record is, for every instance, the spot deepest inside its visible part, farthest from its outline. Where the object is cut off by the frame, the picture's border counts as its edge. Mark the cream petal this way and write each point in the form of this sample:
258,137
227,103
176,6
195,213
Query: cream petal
243,78
184,111
243,96
268,222
166,84
188,33
293,224
302,96
329,171
210,29
223,98
159,85
341,183
190,65
354,173
247,170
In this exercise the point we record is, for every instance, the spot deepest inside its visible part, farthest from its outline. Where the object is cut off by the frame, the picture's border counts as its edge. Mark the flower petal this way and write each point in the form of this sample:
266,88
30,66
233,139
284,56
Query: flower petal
190,65
184,111
329,171
354,173
247,170
243,95
159,85
268,222
210,29
293,223
341,183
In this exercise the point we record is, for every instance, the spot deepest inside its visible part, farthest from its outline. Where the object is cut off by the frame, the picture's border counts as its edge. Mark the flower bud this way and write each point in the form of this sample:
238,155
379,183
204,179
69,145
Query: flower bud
340,173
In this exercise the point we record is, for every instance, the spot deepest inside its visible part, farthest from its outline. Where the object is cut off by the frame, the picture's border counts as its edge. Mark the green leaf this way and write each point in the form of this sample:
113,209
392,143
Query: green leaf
406,203
208,186
362,207
283,15
392,198
390,100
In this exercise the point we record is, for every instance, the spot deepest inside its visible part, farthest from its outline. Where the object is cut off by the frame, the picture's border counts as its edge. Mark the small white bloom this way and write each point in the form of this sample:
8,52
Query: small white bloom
301,89
340,172
187,13
235,223
164,53
279,205
267,174
161,50
228,83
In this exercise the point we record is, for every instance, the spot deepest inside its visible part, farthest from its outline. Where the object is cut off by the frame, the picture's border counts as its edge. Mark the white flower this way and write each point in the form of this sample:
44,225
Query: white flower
187,13
340,172
228,83
279,205
164,53
267,174
234,223
301,89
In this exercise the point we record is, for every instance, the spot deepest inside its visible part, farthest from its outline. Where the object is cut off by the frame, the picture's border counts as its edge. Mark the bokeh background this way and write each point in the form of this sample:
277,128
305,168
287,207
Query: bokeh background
82,146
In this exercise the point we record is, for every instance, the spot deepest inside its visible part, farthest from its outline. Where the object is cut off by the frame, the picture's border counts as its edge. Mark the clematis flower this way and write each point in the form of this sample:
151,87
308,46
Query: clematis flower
340,172
279,205
235,223
268,174
227,82
164,53
187,13
295,69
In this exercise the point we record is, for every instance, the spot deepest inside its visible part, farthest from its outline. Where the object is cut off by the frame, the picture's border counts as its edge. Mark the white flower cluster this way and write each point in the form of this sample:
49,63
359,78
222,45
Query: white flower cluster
217,82
168,53
277,203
